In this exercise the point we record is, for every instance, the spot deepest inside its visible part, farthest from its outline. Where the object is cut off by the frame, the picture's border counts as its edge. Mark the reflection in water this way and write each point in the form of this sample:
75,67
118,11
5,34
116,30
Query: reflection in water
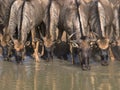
58,75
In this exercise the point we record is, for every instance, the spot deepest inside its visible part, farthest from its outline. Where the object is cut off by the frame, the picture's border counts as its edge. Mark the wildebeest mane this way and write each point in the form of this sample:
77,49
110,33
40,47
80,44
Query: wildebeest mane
94,19
21,19
48,19
77,4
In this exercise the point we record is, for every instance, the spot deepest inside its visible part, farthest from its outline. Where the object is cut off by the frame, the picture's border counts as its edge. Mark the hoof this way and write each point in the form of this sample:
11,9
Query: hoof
85,67
6,59
73,62
37,60
104,63
88,67
19,61
47,60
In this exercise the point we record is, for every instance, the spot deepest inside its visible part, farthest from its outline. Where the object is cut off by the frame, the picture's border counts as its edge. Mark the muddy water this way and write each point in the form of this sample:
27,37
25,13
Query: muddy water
58,75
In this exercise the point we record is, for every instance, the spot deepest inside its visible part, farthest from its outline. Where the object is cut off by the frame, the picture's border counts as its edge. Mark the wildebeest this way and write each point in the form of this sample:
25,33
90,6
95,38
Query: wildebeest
95,26
105,15
62,50
77,18
30,13
65,16
5,6
116,31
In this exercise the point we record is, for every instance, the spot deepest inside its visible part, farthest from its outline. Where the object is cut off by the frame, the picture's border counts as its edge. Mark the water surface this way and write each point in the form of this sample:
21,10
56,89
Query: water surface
58,75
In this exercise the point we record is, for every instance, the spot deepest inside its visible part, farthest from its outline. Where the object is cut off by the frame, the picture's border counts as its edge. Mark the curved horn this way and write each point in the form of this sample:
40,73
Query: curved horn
74,44
41,54
71,35
96,34
27,43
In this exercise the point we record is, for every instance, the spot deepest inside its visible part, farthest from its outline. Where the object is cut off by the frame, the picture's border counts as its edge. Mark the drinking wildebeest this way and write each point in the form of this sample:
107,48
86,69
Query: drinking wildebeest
105,16
97,26
116,36
5,6
30,14
65,16
92,14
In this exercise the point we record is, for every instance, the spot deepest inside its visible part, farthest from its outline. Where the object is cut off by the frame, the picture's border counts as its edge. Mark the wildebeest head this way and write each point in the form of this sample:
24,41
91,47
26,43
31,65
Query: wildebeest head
61,50
83,48
19,49
85,52
4,42
49,46
18,46
103,45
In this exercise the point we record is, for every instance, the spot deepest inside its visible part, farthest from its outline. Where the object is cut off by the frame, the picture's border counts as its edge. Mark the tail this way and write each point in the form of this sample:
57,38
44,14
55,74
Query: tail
21,19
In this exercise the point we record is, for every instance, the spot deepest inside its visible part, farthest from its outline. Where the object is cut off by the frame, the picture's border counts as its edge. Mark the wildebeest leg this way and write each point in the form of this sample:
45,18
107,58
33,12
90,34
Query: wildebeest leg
80,59
10,31
33,37
117,27
10,51
35,45
4,47
36,52
50,54
72,53
5,53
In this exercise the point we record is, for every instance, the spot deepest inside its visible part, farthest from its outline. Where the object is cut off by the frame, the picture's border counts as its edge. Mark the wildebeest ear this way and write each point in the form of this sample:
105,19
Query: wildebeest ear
103,43
15,41
113,43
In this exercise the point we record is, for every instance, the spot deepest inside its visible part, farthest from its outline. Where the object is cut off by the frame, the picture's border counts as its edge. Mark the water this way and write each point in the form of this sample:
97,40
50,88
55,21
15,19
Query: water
58,75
